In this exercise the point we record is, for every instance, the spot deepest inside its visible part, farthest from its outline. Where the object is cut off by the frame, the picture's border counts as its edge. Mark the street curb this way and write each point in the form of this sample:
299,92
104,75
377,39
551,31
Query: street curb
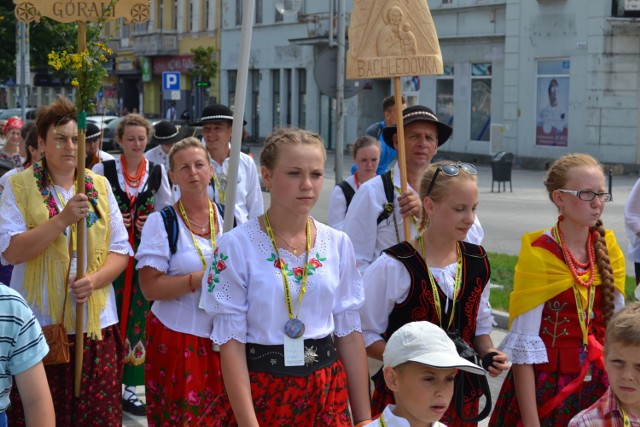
501,319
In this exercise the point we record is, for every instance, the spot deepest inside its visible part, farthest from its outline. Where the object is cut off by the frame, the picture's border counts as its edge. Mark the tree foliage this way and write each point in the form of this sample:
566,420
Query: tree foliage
204,66
44,36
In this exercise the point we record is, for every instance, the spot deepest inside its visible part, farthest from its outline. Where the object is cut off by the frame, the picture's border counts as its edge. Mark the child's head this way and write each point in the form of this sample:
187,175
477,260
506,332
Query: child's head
622,355
451,189
366,154
575,183
568,171
293,169
420,366
283,138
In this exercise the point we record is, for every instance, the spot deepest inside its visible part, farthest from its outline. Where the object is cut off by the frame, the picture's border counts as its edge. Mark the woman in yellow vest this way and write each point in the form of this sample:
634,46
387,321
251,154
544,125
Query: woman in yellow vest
38,212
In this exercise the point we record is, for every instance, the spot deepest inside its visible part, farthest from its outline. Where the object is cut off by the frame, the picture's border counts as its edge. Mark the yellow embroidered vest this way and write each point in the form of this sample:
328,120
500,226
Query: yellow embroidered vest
54,261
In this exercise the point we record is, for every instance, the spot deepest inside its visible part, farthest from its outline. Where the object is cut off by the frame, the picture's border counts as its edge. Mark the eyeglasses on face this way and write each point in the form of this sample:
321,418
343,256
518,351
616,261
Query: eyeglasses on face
588,195
452,169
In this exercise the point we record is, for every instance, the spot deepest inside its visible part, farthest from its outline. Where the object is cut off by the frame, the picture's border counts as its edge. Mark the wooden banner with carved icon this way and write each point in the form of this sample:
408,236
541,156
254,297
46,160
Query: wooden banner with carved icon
391,39
82,11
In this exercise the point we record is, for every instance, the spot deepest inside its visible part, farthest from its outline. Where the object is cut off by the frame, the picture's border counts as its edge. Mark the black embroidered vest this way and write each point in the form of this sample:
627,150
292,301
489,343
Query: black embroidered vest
145,200
420,304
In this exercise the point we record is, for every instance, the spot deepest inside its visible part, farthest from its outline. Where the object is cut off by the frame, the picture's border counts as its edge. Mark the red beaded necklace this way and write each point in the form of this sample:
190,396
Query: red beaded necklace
574,265
133,181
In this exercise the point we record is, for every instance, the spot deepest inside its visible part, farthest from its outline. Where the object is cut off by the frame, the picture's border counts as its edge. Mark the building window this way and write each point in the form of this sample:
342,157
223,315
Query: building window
175,16
207,11
191,19
258,11
255,114
161,16
287,88
275,108
232,76
279,17
444,96
302,97
238,12
480,102
552,121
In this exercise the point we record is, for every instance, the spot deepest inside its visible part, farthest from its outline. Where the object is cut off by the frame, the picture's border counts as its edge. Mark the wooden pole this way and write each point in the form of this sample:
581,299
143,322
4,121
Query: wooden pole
402,156
81,227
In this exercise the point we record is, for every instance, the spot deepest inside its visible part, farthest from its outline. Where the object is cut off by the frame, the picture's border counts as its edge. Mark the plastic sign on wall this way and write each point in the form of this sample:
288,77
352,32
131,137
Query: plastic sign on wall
81,10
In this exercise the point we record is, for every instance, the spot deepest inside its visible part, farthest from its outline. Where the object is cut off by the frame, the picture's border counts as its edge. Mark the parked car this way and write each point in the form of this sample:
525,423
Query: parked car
101,121
109,136
30,113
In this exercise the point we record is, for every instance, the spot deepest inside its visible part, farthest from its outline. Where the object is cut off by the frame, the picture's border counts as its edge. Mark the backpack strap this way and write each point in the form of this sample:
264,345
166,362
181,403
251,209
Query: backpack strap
171,226
387,208
375,130
348,191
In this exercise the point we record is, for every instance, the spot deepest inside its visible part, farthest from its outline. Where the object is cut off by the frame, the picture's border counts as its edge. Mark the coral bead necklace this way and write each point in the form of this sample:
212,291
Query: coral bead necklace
574,265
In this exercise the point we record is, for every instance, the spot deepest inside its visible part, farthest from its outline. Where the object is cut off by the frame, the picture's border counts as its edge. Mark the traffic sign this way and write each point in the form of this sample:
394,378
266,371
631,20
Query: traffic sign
170,80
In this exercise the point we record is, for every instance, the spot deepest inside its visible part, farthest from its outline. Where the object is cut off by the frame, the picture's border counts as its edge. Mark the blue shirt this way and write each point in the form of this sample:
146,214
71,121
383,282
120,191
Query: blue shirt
22,344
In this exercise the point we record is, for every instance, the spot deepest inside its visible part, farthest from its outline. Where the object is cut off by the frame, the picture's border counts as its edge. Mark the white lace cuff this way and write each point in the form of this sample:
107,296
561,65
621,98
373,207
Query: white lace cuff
346,322
524,349
226,327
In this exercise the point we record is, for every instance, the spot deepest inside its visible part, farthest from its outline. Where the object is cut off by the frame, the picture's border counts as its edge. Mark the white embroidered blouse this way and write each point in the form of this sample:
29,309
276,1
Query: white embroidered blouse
244,291
179,314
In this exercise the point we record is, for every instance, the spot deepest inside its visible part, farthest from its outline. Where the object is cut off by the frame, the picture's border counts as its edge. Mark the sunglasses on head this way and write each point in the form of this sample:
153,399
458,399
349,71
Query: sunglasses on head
452,169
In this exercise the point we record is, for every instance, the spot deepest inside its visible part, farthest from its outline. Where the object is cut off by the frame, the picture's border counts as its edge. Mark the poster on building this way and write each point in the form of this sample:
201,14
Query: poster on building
552,122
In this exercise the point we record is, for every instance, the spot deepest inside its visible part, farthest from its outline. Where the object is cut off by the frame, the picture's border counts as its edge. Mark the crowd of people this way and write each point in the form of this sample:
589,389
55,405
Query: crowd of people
272,322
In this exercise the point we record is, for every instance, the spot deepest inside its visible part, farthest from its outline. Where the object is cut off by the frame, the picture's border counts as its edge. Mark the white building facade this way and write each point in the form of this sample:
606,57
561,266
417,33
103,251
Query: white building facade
539,78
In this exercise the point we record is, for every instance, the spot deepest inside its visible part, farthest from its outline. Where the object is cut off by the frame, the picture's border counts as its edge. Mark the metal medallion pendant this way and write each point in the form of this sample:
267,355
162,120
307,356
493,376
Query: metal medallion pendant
294,328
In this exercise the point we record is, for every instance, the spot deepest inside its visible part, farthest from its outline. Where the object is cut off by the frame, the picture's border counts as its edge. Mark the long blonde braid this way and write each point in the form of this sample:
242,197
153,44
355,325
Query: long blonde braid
606,272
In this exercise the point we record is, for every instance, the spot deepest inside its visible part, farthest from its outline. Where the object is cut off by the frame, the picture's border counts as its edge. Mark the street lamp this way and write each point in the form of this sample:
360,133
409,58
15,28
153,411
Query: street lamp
288,7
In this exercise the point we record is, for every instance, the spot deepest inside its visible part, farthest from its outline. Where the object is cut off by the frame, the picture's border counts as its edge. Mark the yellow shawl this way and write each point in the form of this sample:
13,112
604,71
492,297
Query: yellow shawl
541,275
54,261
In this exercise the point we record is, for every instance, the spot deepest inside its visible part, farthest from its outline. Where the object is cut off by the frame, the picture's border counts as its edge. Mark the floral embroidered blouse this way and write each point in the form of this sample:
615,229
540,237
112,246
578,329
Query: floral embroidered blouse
244,291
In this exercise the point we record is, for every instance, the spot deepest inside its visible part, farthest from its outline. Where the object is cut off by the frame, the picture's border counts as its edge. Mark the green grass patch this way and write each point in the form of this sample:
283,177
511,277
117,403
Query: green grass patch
502,267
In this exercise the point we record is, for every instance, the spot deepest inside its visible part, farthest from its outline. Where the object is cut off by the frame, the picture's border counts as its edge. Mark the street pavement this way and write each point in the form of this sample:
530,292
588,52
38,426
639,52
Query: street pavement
505,216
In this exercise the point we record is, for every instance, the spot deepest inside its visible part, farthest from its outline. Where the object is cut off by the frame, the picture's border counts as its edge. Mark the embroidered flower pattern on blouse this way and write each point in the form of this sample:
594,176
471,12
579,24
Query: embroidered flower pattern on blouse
47,197
218,265
297,272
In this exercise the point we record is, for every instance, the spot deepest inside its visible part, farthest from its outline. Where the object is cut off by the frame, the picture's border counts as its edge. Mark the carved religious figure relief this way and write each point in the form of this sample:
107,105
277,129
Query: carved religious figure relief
392,38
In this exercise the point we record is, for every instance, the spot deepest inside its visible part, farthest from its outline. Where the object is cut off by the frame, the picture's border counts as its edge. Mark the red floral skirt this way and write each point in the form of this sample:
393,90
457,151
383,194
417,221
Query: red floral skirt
182,376
100,401
319,399
507,411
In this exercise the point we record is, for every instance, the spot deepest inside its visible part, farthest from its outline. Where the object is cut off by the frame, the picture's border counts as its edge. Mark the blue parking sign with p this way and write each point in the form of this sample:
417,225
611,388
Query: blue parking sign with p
170,80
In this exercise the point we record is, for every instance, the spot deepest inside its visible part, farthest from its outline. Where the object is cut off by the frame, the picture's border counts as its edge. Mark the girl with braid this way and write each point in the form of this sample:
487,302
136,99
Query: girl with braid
439,278
569,280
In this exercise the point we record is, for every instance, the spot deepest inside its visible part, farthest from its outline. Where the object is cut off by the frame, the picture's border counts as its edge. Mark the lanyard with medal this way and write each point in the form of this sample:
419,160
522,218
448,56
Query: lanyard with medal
212,229
585,320
434,286
294,328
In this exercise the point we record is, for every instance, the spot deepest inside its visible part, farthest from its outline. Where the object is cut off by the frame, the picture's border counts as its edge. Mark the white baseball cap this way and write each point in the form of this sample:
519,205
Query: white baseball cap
427,344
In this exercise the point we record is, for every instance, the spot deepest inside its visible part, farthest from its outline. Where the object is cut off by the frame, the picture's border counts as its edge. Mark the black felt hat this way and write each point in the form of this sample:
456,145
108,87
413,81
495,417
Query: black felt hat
417,113
93,132
216,113
165,132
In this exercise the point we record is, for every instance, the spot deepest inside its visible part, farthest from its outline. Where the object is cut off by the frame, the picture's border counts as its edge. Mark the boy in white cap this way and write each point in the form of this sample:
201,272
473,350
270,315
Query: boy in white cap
420,366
